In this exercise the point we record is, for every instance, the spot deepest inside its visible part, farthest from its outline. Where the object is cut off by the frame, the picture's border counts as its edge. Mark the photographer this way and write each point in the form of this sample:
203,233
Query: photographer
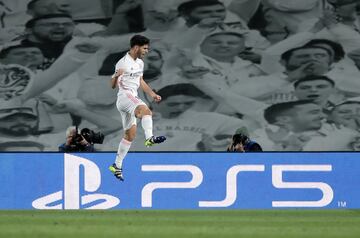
242,143
76,142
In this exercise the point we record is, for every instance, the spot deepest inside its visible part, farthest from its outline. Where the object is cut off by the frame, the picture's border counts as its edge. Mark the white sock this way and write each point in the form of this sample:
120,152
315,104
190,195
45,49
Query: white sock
147,125
123,149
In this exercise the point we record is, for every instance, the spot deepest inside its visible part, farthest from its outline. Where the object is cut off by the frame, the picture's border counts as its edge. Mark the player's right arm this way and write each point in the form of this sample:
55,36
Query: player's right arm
115,77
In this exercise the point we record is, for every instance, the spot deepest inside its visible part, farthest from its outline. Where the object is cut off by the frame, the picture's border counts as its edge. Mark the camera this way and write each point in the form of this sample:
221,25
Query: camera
240,139
90,136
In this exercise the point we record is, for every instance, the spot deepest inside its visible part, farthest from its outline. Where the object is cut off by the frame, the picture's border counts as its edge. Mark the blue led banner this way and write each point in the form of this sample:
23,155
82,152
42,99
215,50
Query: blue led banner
180,181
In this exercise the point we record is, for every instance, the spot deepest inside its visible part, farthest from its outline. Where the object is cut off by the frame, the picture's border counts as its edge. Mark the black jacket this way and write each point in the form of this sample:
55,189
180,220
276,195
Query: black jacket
76,148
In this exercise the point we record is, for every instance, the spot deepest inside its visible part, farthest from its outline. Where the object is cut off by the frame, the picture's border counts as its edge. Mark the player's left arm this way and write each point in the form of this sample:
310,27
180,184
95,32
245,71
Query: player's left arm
146,88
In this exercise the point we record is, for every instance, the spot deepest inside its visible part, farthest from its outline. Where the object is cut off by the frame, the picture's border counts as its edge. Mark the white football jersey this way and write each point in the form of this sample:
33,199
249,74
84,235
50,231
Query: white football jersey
133,71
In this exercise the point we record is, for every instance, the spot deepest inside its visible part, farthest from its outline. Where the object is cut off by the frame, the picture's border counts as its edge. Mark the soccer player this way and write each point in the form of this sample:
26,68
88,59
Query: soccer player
129,77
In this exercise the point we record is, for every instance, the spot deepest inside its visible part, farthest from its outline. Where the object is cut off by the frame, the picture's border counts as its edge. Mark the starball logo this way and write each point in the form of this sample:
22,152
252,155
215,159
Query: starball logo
70,197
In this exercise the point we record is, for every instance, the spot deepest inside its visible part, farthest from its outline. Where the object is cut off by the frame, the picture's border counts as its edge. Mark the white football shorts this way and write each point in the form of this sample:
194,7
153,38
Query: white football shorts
126,104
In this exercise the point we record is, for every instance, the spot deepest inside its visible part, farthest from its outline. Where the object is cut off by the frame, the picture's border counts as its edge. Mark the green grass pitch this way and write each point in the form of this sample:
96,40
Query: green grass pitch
181,223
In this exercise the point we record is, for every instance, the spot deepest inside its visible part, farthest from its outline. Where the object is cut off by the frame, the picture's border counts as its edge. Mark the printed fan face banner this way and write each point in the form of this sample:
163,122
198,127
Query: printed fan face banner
14,80
180,181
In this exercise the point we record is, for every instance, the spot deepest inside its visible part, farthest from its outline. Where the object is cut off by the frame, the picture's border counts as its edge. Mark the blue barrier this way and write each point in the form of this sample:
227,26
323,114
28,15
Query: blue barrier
180,181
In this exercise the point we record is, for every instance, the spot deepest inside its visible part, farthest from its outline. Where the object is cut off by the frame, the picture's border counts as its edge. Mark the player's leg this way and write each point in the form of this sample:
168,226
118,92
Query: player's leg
122,151
144,113
128,119
125,145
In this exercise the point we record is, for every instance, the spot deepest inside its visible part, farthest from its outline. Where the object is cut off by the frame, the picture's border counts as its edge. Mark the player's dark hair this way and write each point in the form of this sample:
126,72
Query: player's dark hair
272,112
187,7
139,40
312,78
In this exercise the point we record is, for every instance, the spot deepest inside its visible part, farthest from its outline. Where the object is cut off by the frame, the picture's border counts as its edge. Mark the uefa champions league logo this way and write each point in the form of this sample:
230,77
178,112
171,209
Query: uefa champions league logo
71,194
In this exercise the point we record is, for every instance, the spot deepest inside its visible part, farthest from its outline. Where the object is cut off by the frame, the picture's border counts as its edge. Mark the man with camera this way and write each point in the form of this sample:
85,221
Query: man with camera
242,143
80,141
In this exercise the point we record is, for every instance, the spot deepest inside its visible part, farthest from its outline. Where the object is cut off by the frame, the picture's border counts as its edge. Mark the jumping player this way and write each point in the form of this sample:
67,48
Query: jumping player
128,77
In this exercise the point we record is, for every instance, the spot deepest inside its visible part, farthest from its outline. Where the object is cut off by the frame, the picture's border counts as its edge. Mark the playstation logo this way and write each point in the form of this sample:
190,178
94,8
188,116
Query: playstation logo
71,194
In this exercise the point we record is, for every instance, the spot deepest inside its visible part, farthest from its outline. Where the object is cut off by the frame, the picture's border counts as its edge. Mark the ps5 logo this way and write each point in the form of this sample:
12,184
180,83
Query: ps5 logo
278,182
71,194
